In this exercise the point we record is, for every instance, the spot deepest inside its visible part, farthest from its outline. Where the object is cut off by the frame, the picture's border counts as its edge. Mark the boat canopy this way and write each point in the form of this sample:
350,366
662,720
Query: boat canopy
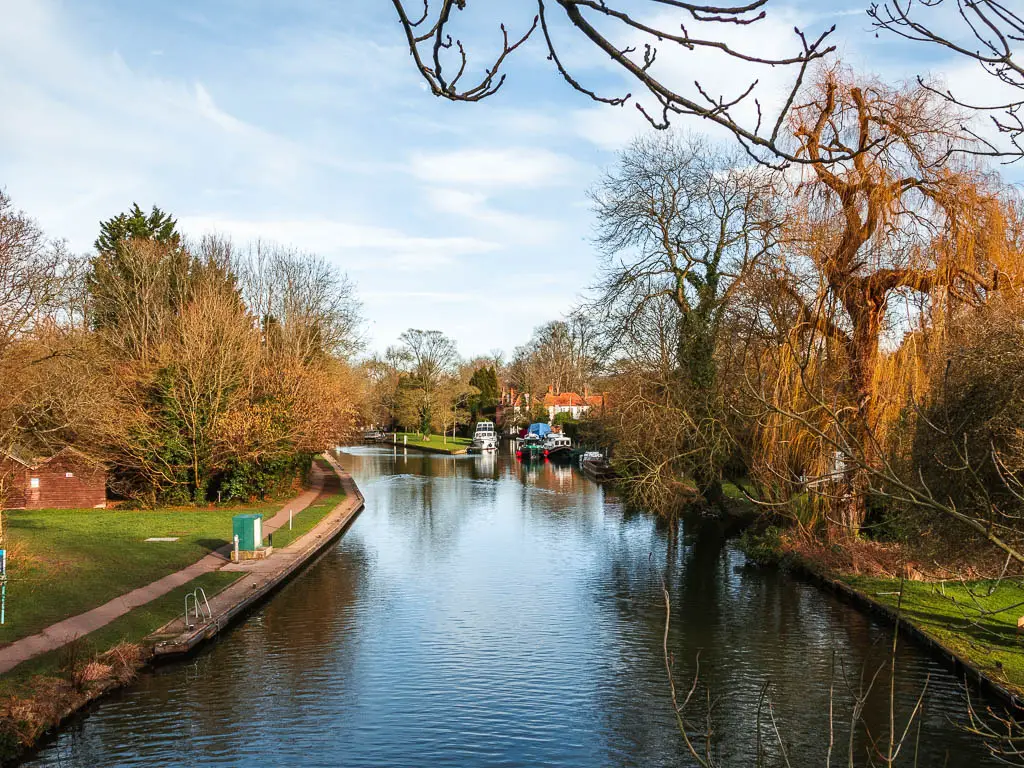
540,429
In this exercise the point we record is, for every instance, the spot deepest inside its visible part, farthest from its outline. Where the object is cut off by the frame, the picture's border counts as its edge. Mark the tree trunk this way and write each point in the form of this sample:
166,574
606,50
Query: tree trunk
863,353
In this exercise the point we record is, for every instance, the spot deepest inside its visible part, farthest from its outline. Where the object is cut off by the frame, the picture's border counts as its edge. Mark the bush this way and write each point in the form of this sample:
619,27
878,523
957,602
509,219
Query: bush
261,479
763,547
968,445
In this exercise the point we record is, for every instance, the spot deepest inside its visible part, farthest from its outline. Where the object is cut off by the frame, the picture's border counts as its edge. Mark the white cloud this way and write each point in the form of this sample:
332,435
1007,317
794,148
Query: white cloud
353,246
608,128
477,207
497,168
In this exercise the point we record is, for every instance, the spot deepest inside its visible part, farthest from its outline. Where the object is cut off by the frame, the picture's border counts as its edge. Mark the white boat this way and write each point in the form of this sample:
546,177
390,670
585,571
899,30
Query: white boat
556,444
485,438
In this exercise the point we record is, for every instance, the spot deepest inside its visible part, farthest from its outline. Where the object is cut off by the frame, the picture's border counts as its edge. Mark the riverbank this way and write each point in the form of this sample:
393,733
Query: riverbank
64,562
452,446
39,694
970,625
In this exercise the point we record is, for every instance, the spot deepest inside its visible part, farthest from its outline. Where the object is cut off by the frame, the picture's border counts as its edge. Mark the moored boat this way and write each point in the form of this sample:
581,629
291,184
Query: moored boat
595,466
485,438
531,445
558,446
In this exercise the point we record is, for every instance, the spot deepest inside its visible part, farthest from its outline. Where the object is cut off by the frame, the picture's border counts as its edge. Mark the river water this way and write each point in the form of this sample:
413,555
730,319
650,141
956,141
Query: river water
484,613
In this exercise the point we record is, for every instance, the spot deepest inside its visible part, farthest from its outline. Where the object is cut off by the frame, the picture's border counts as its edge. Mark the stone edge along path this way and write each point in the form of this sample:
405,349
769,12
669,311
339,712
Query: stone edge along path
262,576
63,632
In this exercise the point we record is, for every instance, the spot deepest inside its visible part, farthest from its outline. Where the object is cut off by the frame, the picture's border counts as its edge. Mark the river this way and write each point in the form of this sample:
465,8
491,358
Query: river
484,613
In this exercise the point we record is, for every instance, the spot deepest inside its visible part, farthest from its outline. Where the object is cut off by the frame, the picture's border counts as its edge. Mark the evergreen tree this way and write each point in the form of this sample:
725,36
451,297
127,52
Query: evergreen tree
139,276
136,225
485,380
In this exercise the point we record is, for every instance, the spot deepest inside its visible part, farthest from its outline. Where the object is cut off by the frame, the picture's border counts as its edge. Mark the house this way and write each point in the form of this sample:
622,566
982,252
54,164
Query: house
67,480
571,403
515,405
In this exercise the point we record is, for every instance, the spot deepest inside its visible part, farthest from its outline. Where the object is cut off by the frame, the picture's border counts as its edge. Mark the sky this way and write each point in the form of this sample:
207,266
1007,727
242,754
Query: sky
304,123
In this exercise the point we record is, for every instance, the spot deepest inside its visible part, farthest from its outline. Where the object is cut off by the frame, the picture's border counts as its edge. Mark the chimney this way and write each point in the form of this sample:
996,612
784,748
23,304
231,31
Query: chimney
586,391
551,389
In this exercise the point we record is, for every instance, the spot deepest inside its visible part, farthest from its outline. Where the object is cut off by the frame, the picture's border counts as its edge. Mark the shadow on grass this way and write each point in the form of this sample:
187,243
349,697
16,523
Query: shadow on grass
212,545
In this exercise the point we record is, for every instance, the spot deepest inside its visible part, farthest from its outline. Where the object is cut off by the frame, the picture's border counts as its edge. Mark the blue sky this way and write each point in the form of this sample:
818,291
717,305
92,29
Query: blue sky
303,122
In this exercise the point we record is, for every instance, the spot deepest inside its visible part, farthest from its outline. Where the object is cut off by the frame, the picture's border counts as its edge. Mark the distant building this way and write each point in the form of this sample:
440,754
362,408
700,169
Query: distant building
571,403
515,405
67,480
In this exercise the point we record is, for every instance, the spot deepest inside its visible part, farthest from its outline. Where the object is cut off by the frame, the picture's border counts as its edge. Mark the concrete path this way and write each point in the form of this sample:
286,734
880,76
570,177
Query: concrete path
61,633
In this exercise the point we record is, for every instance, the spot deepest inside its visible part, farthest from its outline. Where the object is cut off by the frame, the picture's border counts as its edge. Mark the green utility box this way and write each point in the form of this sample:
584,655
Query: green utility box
249,530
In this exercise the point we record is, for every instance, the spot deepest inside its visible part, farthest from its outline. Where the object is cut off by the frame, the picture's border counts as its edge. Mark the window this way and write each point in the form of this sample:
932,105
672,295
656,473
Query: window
69,474
33,482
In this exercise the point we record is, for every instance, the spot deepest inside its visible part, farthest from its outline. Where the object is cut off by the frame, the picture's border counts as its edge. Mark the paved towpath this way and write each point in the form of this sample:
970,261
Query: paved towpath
63,632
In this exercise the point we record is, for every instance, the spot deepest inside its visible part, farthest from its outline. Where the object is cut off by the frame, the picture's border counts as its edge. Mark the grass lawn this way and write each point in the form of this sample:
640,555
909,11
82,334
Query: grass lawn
63,562
981,629
132,627
436,442
304,521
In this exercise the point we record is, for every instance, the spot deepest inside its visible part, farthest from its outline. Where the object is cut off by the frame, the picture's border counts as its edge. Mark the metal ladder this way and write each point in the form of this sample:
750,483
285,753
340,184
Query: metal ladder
200,611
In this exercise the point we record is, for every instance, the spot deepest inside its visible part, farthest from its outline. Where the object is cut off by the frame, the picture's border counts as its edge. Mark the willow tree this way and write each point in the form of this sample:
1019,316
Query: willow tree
902,223
680,223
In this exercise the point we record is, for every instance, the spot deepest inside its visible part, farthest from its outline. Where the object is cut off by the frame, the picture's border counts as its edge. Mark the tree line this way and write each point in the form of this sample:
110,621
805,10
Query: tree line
841,337
421,384
194,371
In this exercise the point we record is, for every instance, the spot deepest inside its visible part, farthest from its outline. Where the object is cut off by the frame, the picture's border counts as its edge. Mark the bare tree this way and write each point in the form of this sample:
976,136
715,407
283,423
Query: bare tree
304,305
432,360
680,224
631,35
32,272
209,366
561,355
136,292
988,33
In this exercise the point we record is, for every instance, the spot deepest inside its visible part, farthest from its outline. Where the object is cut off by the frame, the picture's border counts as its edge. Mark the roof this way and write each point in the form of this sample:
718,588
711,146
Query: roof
20,455
75,453
564,399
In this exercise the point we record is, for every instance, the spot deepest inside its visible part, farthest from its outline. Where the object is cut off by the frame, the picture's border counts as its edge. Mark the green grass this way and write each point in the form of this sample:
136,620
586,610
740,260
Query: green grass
981,629
436,442
132,627
64,562
305,520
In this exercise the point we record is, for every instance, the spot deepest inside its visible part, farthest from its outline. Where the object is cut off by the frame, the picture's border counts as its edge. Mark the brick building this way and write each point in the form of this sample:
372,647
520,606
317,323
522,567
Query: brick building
66,480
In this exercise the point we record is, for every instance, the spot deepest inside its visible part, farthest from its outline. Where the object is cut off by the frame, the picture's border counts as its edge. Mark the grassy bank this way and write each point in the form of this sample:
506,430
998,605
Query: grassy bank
975,620
307,519
67,561
64,562
436,443
133,627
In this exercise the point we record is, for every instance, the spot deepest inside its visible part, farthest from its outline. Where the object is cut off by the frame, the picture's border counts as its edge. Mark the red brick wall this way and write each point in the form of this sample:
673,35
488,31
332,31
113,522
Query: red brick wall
87,486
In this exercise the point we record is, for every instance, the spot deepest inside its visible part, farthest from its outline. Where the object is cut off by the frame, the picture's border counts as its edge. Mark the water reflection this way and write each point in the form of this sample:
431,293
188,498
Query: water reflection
486,612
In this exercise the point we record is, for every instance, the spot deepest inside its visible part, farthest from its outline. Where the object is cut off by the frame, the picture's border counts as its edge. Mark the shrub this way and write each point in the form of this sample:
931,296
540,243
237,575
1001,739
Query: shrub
968,445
